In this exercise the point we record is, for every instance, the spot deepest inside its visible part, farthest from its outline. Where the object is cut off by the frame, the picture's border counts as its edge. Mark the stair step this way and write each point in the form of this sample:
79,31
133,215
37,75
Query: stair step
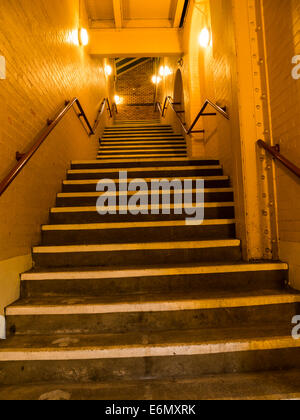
104,233
151,131
82,199
139,254
138,163
142,312
160,368
137,136
90,185
141,156
154,279
158,172
144,303
141,152
140,131
153,271
147,142
124,214
274,385
157,344
112,127
126,156
141,146
178,354
145,126
139,124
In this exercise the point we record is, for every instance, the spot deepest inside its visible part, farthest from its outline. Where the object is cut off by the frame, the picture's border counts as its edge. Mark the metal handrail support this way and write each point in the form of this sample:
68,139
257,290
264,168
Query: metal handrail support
202,113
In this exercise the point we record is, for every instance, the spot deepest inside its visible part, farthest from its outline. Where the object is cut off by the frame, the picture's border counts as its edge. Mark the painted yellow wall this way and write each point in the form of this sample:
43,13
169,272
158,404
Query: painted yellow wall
145,42
229,73
211,74
44,68
282,29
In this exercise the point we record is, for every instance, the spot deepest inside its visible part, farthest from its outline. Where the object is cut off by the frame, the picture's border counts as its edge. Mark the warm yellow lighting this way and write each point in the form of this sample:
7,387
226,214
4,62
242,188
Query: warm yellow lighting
108,70
73,37
156,80
205,38
118,100
165,71
83,37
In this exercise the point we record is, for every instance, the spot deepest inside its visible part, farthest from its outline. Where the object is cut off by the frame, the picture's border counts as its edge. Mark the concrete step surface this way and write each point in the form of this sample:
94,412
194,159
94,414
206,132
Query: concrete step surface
148,306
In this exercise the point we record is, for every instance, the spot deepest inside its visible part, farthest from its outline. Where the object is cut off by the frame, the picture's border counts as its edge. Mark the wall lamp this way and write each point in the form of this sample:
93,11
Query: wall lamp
83,37
165,71
205,38
118,100
156,80
108,70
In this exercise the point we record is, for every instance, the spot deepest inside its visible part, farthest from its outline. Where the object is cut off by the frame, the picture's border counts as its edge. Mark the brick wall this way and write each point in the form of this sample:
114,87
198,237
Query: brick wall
283,42
136,88
44,68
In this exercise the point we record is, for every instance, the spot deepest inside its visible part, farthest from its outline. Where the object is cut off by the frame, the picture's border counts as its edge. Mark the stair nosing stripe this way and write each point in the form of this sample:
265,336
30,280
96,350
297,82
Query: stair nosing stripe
152,272
149,350
98,194
89,162
87,209
96,181
162,306
148,246
146,169
134,225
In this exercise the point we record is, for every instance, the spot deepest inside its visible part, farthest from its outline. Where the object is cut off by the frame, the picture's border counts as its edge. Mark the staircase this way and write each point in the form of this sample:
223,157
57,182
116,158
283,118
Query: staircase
129,307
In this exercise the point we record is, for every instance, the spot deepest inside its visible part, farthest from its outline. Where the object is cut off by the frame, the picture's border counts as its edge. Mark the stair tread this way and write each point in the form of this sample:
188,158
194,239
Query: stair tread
152,270
101,226
274,385
150,344
205,299
111,158
83,209
186,159
97,194
194,178
144,169
140,246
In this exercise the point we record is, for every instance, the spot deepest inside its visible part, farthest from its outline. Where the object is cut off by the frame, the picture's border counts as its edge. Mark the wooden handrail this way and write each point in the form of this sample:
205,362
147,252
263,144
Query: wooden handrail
110,109
275,152
202,113
24,158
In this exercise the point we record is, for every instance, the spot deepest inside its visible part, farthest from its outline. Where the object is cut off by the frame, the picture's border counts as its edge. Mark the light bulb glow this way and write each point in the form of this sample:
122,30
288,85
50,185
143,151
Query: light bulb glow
73,37
108,70
83,37
205,38
156,80
165,71
118,100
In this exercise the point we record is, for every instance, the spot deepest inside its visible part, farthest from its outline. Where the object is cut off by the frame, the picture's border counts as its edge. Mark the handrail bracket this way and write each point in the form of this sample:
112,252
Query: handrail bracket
202,113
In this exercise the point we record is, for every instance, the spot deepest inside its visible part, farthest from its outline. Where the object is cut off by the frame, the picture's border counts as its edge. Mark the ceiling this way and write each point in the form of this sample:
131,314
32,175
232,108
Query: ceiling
122,14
